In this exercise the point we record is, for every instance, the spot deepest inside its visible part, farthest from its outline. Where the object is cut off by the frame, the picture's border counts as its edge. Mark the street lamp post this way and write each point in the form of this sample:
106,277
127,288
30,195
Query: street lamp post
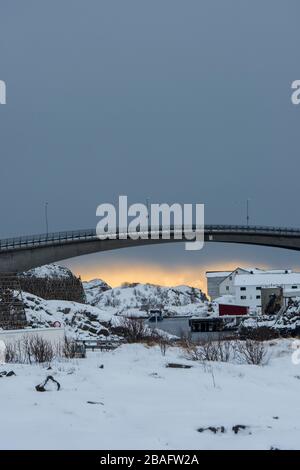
248,212
46,218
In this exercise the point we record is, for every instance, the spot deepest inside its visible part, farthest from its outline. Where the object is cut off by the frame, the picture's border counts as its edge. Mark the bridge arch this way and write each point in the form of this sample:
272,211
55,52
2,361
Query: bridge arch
23,253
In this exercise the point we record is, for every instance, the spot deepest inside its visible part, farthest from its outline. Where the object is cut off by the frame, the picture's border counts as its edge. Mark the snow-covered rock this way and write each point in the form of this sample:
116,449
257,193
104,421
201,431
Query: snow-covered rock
79,320
50,271
93,290
53,282
286,324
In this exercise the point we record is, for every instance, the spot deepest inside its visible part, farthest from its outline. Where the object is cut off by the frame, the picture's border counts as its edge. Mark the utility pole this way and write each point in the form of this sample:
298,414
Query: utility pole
46,218
247,212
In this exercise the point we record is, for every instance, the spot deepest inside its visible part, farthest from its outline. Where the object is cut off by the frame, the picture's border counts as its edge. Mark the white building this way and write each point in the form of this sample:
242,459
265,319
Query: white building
214,279
222,282
245,284
227,286
247,287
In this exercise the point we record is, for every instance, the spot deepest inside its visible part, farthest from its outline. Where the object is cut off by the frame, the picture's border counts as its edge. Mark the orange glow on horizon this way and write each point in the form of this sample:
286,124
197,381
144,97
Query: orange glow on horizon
116,274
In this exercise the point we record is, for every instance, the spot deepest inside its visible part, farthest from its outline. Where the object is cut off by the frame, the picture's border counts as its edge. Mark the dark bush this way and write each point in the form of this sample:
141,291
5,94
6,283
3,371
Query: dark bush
260,333
133,329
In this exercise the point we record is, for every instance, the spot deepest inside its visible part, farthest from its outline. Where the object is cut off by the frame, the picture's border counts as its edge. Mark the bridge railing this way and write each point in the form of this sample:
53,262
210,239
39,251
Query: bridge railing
64,236
44,239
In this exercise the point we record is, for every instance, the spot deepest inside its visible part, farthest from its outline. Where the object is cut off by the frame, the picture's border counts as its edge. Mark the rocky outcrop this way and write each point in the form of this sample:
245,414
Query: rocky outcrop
286,324
79,320
93,290
53,282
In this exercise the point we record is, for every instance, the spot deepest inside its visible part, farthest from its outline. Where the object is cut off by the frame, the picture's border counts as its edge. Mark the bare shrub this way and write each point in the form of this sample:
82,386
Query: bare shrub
10,355
210,350
15,353
29,350
133,329
192,351
226,350
185,341
251,352
68,348
163,344
35,349
39,350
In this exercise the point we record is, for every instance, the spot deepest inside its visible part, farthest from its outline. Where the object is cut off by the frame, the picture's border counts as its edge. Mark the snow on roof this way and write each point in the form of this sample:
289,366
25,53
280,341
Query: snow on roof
267,279
225,299
253,270
228,273
291,292
279,271
218,273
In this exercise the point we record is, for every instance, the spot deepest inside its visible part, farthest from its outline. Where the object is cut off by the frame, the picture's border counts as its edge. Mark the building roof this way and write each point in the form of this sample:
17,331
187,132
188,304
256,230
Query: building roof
267,279
210,274
217,273
253,270
279,271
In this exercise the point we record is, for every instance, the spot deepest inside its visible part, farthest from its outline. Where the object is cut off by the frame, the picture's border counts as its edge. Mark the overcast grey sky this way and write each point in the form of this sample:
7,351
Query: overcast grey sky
169,99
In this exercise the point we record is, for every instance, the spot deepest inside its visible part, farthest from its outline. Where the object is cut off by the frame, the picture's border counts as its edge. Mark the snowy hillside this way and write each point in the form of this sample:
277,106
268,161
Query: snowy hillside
180,300
79,320
129,299
93,289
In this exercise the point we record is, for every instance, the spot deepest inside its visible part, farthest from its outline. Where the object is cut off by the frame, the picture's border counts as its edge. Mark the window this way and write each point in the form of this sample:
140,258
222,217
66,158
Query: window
258,288
227,287
242,288
294,287
243,297
258,296
230,278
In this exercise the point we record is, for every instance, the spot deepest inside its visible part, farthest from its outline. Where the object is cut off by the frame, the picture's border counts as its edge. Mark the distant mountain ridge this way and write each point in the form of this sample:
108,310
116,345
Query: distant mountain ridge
177,300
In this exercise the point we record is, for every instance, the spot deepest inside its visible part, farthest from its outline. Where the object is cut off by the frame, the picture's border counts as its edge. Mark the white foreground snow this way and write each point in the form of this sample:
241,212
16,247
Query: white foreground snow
143,404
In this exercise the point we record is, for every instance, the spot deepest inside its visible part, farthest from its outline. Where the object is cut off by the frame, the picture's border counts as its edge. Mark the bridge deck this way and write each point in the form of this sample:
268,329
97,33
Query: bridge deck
90,234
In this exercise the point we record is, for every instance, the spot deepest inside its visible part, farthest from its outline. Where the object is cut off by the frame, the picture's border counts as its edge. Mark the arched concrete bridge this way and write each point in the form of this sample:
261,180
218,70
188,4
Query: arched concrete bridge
22,253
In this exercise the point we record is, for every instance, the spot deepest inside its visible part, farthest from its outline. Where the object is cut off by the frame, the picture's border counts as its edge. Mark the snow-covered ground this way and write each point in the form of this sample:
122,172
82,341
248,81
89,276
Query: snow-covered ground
139,403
